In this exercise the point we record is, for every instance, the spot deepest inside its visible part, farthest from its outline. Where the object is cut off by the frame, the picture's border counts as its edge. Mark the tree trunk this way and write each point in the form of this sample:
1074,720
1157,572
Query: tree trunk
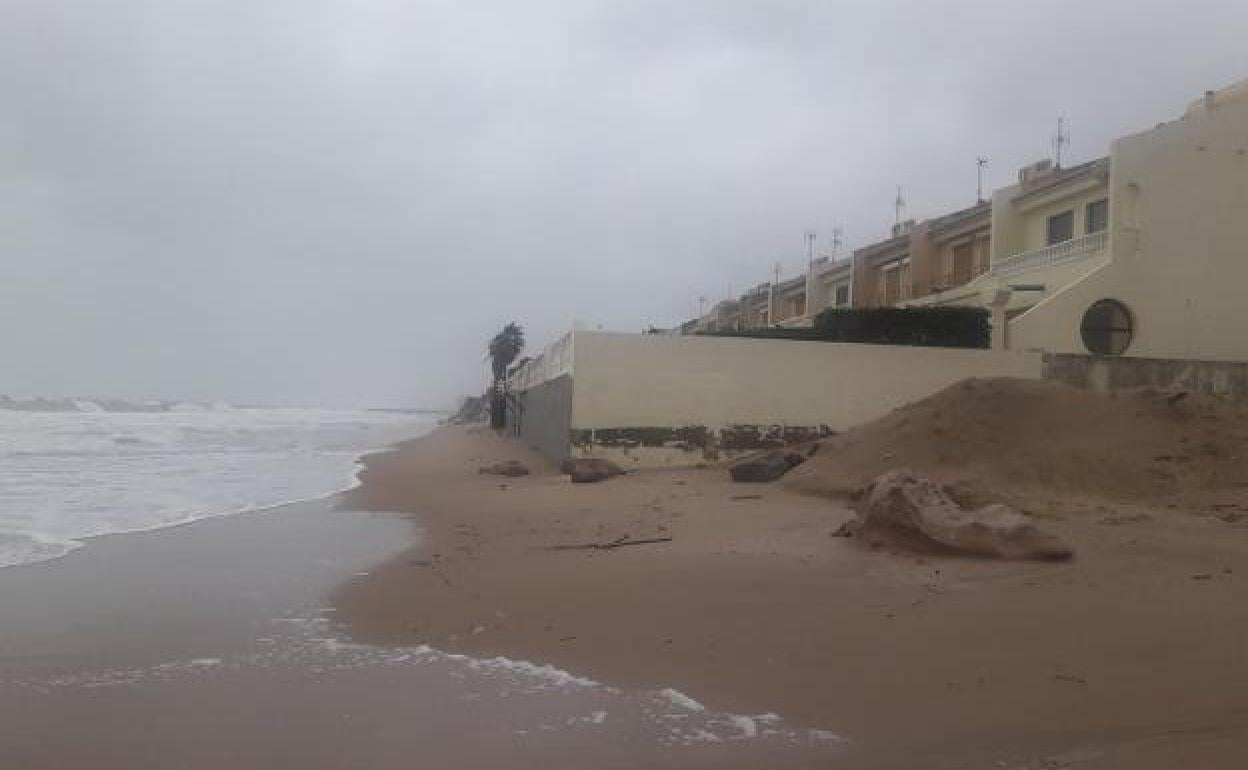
498,407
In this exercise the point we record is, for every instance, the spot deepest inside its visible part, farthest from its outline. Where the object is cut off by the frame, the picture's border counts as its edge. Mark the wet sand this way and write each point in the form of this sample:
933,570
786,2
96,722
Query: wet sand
1133,655
212,645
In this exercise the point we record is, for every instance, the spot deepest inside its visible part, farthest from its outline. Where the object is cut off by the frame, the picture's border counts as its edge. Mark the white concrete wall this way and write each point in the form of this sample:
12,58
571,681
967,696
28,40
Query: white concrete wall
650,381
1178,205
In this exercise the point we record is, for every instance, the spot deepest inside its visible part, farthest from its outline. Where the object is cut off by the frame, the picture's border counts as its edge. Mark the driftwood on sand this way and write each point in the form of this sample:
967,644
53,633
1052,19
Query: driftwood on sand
905,503
617,543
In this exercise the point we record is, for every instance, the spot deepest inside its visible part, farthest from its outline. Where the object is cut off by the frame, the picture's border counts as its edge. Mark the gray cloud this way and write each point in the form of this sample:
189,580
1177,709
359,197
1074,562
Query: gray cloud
338,202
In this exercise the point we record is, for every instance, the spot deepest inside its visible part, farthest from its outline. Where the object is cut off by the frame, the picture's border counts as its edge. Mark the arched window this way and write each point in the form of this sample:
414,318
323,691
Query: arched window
1106,328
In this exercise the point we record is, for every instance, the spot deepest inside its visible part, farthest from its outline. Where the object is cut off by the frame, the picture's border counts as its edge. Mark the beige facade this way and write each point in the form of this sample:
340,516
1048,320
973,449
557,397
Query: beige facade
831,284
789,302
931,257
1044,233
1178,254
724,316
1049,205
756,307
1049,230
882,271
1153,233
949,252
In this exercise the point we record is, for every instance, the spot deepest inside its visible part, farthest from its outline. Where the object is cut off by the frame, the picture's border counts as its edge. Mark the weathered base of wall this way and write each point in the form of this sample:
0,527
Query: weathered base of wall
656,447
1227,379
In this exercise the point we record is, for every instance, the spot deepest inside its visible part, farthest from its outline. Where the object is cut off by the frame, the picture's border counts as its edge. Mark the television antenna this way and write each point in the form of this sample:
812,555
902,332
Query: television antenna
1060,140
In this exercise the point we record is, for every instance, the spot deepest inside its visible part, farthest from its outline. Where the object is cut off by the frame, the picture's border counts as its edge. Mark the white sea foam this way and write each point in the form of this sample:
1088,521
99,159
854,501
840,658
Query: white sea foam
747,725
547,675
678,698
309,642
65,476
28,548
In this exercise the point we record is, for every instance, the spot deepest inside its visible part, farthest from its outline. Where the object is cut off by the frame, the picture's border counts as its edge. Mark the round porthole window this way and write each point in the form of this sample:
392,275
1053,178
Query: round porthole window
1106,328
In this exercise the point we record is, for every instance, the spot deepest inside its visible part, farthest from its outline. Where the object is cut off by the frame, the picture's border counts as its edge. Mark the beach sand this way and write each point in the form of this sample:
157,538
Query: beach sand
212,646
1135,654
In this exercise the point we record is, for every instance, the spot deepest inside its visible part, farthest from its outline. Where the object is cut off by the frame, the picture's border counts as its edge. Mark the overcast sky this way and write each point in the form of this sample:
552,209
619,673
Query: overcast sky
338,202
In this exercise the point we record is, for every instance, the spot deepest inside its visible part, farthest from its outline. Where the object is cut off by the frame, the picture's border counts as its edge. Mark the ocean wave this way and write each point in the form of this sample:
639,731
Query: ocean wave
30,548
309,641
67,477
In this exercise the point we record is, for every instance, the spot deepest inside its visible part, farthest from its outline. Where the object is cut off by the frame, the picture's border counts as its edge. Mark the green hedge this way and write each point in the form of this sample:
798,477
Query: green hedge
942,327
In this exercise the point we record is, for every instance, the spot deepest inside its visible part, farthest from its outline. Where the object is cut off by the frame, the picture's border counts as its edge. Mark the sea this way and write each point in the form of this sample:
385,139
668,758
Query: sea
73,470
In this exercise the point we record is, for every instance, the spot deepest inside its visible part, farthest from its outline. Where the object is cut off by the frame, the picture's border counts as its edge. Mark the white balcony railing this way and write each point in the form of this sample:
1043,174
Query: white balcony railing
1073,250
554,360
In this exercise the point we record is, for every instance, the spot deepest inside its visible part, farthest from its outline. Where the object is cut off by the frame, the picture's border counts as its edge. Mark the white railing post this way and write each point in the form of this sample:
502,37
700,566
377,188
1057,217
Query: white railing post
1059,253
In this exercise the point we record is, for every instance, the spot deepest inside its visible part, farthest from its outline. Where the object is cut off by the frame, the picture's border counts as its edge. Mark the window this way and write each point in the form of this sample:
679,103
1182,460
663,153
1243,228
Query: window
1061,228
892,285
842,295
1106,328
1096,216
963,265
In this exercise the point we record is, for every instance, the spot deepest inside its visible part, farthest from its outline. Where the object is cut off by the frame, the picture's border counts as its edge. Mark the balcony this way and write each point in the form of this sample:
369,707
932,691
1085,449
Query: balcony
555,360
890,295
951,279
1074,250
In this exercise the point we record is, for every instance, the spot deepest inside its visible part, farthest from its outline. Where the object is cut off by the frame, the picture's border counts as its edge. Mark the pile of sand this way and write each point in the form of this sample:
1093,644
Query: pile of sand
1005,439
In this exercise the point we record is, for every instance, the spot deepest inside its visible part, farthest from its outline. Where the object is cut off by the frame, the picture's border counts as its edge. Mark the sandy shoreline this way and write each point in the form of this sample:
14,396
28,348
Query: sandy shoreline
1132,654
212,646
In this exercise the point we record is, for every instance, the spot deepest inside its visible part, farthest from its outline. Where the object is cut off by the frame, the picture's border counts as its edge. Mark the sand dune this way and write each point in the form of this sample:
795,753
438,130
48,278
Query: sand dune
1043,445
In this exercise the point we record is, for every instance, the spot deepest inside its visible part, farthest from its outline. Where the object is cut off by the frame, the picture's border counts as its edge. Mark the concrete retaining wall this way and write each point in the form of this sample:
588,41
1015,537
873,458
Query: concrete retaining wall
1218,378
542,417
647,400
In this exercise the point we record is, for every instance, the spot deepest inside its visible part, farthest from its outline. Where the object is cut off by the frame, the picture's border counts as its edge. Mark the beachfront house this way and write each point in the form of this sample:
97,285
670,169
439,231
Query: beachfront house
1138,255
1172,256
1047,231
950,251
789,302
830,285
1133,257
882,270
922,259
756,307
725,316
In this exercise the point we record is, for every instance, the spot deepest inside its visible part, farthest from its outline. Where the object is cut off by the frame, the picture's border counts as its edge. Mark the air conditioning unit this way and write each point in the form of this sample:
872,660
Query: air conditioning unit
1035,172
903,228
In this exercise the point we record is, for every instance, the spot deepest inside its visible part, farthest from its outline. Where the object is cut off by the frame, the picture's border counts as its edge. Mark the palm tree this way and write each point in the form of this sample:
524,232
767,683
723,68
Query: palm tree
503,350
